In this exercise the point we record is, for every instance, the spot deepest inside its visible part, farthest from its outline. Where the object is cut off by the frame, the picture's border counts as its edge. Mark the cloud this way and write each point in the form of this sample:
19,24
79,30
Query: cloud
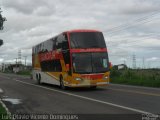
30,22
43,11
153,59
1,60
23,6
140,6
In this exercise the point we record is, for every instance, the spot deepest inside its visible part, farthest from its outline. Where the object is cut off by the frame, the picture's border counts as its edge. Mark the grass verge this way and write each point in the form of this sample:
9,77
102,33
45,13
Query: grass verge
2,110
148,77
26,73
3,113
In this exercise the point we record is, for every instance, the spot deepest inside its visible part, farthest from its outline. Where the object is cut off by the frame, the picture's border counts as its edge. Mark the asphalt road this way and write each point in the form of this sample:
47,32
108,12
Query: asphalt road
23,95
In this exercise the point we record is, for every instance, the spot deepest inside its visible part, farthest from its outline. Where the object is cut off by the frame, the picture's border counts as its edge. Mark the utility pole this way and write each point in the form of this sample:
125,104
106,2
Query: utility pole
149,64
19,56
16,61
134,61
15,69
3,67
143,60
124,62
25,58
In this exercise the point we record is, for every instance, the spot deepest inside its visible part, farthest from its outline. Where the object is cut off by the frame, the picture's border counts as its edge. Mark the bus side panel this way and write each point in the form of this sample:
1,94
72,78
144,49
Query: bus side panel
45,77
49,78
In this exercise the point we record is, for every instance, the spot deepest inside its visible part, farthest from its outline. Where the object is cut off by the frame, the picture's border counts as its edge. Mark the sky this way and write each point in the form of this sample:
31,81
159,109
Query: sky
130,27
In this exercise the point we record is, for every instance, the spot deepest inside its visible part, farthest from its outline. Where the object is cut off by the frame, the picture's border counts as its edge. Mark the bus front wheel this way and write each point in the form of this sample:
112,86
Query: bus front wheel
62,83
93,87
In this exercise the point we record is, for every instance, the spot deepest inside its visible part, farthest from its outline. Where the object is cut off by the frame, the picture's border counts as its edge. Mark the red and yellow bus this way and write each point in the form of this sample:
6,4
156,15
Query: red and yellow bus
76,58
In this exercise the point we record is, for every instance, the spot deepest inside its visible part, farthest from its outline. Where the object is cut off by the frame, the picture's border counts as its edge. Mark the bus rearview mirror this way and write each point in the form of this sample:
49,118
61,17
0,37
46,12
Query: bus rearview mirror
110,65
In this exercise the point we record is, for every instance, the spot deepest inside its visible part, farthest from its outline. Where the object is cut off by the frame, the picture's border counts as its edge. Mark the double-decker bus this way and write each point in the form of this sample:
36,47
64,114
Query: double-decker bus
76,58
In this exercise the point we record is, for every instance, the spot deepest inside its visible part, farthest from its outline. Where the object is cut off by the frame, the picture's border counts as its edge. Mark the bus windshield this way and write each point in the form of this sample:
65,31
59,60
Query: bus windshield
86,63
87,40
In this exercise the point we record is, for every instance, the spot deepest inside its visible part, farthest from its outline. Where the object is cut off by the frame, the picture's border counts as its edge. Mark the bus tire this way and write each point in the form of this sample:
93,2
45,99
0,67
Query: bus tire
38,77
62,83
93,87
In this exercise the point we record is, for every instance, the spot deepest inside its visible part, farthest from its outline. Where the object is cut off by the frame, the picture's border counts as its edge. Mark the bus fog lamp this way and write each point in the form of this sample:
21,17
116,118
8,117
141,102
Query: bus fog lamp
105,77
78,79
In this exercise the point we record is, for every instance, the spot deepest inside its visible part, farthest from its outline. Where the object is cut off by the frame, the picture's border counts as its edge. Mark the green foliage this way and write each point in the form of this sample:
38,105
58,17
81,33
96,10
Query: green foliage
2,110
1,42
2,19
25,72
3,114
146,77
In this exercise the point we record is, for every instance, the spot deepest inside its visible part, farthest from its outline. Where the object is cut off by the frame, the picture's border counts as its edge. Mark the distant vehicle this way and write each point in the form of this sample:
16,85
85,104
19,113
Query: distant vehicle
76,58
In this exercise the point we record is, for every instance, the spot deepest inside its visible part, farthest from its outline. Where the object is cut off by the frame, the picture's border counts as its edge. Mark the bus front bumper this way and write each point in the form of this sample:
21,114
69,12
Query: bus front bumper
88,85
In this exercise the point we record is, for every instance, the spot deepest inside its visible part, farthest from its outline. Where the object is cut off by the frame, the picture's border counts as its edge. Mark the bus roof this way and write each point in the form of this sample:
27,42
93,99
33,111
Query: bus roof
82,30
71,31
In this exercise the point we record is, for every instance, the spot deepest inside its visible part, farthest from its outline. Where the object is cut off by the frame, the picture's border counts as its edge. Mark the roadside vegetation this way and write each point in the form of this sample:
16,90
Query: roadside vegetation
24,72
140,77
18,69
3,113
2,110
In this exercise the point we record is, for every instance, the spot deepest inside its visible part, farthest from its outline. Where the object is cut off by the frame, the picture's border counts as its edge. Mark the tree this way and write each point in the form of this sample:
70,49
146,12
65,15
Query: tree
1,42
2,19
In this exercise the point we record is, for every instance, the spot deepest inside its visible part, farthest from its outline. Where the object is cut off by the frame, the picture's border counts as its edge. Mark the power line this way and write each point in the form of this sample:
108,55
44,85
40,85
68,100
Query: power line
131,23
141,20
137,20
112,33
141,38
137,43
139,46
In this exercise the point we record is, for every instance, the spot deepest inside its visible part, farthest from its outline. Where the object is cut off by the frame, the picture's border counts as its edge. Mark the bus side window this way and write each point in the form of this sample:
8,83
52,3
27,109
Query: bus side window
65,42
36,50
54,43
59,42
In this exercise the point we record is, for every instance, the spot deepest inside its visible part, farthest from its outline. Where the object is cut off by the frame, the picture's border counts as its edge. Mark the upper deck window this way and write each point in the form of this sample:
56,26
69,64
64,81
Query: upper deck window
87,40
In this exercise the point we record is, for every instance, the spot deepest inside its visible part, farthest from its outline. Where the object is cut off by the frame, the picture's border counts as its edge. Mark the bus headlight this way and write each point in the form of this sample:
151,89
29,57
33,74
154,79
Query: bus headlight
105,77
78,79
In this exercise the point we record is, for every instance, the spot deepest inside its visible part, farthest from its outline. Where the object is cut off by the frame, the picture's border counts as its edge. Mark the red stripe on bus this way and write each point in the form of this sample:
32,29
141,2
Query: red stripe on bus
50,56
93,76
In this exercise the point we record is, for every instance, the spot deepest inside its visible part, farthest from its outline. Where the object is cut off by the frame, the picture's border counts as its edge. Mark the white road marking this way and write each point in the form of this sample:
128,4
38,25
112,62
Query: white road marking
1,91
12,100
87,98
